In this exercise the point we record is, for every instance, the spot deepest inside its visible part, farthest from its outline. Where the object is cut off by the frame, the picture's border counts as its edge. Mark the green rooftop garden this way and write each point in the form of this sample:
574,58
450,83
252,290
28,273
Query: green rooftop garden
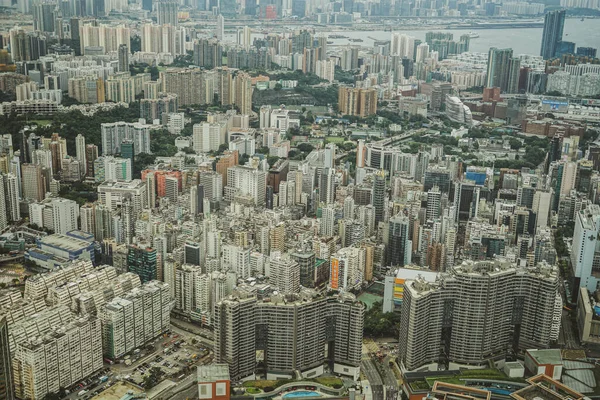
459,378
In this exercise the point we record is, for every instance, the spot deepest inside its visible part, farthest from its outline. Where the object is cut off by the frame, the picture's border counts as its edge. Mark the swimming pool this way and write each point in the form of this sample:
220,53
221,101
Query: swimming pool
303,393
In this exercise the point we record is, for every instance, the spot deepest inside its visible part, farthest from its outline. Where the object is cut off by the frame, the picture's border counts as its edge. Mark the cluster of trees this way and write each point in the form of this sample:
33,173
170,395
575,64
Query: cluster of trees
70,124
445,140
6,96
139,68
183,61
562,250
377,323
323,96
140,162
346,77
152,378
301,151
79,192
297,75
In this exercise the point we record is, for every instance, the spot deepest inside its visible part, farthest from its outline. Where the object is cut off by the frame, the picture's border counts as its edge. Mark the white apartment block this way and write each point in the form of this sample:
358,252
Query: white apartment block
246,181
130,321
37,286
112,194
497,306
64,355
193,293
57,214
208,136
113,134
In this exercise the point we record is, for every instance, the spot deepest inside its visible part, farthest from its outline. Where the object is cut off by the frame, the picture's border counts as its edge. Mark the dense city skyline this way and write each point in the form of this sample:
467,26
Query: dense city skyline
276,199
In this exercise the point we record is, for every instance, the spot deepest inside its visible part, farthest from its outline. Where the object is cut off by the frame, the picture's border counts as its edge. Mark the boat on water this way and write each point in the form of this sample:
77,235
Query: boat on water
473,35
355,40
336,36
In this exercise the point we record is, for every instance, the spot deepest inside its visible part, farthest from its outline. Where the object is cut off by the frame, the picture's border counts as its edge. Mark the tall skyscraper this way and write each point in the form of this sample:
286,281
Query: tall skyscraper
379,197
91,154
43,16
399,247
585,237
6,376
3,204
26,46
33,182
123,58
243,93
327,186
476,312
142,261
208,53
314,323
166,12
502,70
554,23
434,197
80,153
220,28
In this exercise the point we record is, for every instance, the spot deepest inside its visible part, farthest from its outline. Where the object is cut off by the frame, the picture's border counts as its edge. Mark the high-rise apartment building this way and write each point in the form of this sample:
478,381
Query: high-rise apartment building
102,36
66,355
7,391
478,311
80,152
114,133
379,196
434,197
347,268
91,154
26,46
112,169
163,39
243,93
155,106
208,137
65,214
554,23
349,61
583,254
123,58
166,12
131,320
503,70
246,181
327,185
399,246
292,330
187,84
32,181
142,261
213,185
285,273
208,53
355,101
220,28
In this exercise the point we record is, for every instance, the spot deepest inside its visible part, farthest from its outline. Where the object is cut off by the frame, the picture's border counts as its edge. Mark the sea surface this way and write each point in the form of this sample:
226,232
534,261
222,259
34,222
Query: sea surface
584,33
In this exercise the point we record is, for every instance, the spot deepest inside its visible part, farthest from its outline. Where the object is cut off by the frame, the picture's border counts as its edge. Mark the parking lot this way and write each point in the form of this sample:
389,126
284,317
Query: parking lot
174,356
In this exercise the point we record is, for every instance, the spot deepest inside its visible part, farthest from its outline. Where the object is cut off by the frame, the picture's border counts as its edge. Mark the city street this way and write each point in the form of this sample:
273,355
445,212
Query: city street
370,370
567,331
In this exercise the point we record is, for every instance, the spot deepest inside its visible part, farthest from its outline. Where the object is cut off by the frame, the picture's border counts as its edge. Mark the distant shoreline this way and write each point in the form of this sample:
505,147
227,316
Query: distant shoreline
450,27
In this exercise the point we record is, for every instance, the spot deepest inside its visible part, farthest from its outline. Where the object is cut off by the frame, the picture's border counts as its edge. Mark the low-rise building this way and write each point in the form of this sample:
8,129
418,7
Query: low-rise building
214,382
58,249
